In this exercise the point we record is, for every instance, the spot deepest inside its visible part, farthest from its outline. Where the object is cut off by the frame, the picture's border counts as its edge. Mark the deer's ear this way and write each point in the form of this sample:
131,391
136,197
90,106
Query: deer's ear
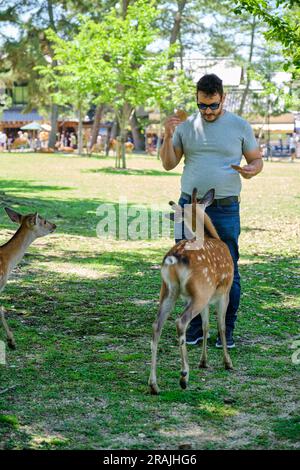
33,220
170,215
178,213
13,215
175,207
208,198
194,196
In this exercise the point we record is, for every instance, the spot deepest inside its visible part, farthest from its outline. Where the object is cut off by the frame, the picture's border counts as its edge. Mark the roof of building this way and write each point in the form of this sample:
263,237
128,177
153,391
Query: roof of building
16,115
286,118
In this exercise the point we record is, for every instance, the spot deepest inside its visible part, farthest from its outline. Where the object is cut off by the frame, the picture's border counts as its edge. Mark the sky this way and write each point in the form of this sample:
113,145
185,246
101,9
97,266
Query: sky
230,74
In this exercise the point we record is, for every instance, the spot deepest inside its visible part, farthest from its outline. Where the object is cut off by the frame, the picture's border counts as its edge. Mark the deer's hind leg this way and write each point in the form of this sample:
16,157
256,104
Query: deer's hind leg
9,336
196,305
168,297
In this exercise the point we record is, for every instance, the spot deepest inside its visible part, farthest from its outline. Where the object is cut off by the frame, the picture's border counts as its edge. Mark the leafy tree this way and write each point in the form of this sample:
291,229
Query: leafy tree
72,87
283,19
113,60
30,47
241,38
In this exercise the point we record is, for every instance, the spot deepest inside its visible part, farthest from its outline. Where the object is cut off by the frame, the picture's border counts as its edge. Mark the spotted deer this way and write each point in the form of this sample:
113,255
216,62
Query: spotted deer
201,271
31,227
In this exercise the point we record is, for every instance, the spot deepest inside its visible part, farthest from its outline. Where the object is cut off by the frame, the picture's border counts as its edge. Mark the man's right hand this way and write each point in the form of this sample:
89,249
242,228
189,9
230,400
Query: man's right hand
170,124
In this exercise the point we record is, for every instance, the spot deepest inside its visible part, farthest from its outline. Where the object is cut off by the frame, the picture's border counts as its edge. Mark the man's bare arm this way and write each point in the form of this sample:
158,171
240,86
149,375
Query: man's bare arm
254,164
169,155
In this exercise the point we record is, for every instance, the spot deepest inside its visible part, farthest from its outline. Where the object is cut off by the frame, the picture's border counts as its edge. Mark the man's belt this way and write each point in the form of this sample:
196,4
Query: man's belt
225,201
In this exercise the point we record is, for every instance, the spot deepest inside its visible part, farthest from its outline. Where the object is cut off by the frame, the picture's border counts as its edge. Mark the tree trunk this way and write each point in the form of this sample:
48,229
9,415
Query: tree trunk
96,124
159,136
80,126
123,137
123,118
107,141
176,27
138,139
118,148
125,4
53,118
181,50
51,15
115,130
248,80
114,133
54,107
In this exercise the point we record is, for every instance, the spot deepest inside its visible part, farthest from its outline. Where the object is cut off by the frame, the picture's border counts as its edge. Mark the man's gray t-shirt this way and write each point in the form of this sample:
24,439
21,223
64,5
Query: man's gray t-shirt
209,149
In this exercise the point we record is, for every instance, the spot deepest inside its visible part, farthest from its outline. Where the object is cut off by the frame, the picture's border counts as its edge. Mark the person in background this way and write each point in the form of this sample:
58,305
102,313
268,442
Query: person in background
10,140
3,141
292,148
73,140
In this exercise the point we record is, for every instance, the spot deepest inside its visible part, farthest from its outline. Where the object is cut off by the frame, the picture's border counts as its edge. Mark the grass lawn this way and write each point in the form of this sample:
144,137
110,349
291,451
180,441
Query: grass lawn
82,309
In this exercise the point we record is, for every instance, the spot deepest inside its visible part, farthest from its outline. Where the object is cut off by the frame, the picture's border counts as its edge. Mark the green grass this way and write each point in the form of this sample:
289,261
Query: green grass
82,310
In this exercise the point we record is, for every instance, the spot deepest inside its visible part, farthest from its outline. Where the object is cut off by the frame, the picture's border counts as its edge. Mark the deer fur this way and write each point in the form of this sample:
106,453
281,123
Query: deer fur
31,226
201,271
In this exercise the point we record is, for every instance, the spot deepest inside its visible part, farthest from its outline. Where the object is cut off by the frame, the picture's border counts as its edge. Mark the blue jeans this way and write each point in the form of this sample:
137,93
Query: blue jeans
226,220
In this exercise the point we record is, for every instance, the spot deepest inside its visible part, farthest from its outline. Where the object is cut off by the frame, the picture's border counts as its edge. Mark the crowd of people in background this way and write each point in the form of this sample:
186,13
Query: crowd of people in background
67,139
36,141
152,142
279,149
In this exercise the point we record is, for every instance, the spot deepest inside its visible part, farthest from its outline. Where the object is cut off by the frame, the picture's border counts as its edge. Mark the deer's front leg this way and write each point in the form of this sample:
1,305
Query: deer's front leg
9,336
167,301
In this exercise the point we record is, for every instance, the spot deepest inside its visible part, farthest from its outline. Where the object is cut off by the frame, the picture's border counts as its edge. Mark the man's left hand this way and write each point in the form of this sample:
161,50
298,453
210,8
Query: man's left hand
247,171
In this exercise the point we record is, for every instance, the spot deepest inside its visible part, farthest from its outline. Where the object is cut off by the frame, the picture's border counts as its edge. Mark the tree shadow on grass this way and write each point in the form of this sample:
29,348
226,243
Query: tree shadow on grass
28,186
91,337
132,172
256,229
72,216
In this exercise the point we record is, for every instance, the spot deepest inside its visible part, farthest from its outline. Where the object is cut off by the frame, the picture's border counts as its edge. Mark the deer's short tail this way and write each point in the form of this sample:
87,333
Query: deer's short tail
171,260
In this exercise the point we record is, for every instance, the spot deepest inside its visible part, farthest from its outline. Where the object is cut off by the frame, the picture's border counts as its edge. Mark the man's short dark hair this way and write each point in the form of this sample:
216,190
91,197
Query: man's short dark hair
210,84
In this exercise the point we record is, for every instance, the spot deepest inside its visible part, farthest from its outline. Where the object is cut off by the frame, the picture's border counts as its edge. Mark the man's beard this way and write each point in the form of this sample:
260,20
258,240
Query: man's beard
209,117
216,116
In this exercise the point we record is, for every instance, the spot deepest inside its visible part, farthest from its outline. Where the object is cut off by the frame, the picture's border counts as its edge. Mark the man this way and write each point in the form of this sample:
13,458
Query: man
211,141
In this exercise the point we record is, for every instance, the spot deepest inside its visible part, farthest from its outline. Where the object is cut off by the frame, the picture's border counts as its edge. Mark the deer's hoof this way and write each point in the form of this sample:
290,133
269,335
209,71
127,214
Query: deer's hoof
154,390
203,365
183,380
11,344
183,383
228,366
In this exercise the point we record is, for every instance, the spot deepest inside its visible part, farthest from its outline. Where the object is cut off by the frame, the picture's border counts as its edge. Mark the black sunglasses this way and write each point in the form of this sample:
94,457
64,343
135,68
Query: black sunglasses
212,106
